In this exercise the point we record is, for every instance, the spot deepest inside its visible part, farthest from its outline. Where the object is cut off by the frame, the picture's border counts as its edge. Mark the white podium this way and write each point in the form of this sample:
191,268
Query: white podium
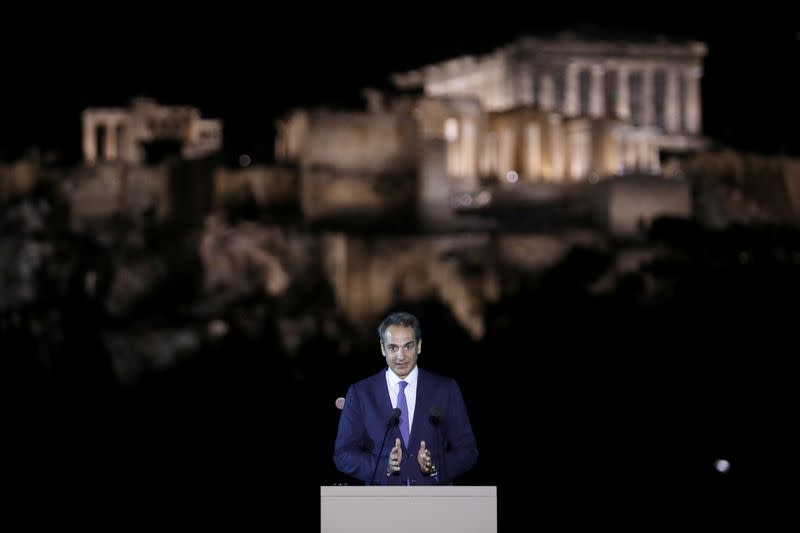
446,509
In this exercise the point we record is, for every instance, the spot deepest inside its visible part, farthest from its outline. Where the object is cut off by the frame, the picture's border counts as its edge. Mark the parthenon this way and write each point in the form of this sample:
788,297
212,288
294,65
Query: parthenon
648,91
654,84
534,113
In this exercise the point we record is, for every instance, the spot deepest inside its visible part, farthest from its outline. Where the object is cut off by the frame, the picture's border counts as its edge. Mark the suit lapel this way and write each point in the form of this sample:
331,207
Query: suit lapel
420,413
381,392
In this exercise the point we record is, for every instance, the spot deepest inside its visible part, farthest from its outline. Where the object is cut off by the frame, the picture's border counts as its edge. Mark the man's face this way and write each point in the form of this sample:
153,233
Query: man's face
400,349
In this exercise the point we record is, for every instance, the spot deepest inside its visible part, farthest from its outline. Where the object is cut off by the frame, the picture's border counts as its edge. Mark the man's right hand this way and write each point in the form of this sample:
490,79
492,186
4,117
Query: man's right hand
395,456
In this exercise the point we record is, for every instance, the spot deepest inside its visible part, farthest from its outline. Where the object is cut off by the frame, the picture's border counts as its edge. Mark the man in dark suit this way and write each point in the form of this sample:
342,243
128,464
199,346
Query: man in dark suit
404,425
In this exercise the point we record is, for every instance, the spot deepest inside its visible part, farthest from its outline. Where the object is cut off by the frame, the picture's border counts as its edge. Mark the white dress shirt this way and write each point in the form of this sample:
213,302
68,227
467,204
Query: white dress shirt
411,391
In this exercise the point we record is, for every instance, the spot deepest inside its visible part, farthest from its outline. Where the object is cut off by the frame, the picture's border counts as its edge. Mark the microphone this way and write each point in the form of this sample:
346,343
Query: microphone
436,420
393,419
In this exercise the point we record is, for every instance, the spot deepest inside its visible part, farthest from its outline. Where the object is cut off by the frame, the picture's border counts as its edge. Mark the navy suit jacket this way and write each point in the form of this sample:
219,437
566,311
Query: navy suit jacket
366,415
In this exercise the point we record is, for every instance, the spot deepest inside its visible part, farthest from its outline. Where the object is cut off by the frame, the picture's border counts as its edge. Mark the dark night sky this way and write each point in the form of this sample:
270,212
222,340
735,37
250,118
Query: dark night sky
249,66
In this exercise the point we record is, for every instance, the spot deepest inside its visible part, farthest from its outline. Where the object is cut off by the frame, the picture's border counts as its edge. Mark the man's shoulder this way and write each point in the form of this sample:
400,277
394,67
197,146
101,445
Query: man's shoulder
370,381
433,378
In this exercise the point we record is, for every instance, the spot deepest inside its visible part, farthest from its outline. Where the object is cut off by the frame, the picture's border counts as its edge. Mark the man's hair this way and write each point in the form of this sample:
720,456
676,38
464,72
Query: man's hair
403,319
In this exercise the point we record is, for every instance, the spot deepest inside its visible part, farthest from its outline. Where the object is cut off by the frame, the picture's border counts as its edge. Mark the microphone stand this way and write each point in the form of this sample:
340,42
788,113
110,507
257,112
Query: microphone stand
395,417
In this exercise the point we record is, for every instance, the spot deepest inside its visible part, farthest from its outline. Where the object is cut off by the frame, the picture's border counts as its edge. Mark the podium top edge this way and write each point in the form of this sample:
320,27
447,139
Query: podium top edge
441,491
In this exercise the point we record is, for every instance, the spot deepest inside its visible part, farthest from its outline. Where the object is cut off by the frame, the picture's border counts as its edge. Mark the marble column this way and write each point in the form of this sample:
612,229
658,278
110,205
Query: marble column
691,109
623,99
571,100
525,85
547,92
507,151
648,105
672,105
89,139
469,152
597,94
556,148
507,81
533,150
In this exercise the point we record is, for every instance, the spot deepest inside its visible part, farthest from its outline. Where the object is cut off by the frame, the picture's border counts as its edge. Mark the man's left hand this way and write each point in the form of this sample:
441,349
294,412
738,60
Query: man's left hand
424,459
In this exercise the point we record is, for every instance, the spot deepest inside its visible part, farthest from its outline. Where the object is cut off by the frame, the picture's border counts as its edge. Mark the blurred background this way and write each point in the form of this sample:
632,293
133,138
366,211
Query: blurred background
594,213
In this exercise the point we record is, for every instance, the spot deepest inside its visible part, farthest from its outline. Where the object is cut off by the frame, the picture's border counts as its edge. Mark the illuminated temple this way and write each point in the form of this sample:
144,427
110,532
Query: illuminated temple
534,112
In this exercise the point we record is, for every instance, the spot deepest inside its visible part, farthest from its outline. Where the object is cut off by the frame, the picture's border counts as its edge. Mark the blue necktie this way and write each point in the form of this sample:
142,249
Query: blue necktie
403,406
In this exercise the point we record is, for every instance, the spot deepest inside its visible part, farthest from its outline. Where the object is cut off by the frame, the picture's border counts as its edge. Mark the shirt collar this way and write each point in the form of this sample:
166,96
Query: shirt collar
392,379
